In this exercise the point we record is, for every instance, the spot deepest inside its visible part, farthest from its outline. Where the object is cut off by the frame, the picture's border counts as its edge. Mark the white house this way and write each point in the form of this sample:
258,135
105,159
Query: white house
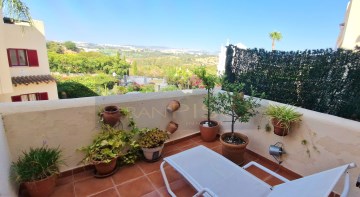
24,66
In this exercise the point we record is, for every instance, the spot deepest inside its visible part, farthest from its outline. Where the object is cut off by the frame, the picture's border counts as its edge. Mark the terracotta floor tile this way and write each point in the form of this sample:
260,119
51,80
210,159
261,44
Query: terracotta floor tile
210,144
273,181
188,146
157,179
83,175
169,148
217,149
92,186
180,188
137,187
271,166
171,153
64,180
64,190
107,193
196,138
149,167
183,143
127,173
153,194
258,172
286,174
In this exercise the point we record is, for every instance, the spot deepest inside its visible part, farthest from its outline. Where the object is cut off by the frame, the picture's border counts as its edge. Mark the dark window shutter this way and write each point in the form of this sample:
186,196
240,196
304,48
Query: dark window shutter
16,98
9,59
43,96
33,58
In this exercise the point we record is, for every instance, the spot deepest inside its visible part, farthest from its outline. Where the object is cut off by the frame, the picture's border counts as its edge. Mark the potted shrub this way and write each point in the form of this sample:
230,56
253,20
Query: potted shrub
282,117
111,115
104,150
152,142
239,108
208,128
37,170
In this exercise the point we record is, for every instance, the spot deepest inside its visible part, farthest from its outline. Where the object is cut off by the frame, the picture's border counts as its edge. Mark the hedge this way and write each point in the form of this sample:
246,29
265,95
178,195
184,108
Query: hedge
322,80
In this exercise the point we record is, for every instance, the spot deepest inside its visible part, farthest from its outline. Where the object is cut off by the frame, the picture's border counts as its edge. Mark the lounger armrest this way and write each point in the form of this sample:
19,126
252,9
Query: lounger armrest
205,190
253,163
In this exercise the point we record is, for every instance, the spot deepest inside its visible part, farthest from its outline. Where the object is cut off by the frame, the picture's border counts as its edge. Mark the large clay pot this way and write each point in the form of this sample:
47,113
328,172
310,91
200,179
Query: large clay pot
105,168
111,115
41,188
278,128
208,134
172,127
234,152
173,106
152,154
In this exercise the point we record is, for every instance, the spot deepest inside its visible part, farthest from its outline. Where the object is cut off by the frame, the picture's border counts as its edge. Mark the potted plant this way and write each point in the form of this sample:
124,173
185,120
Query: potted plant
282,117
233,103
208,128
111,114
37,170
152,142
104,150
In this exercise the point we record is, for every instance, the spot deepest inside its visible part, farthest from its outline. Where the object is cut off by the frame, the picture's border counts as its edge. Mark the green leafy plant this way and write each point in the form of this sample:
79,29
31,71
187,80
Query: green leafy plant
209,82
152,138
232,102
107,146
284,114
37,164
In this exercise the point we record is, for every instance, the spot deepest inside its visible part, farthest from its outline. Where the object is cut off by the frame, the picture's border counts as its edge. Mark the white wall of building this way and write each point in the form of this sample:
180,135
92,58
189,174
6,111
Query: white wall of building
349,35
32,88
5,78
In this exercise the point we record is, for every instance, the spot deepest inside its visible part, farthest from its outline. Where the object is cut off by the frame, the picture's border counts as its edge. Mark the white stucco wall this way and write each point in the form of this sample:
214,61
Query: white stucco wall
5,78
349,35
50,88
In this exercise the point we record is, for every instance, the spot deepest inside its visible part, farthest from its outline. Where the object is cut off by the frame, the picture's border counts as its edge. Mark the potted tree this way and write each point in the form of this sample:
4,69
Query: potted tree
37,170
282,117
152,142
104,150
208,128
233,103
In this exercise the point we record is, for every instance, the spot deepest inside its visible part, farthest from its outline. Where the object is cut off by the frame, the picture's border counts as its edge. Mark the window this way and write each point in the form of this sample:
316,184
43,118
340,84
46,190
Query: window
30,97
22,57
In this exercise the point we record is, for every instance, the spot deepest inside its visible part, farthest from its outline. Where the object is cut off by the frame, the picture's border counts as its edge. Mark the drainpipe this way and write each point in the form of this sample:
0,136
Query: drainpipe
6,187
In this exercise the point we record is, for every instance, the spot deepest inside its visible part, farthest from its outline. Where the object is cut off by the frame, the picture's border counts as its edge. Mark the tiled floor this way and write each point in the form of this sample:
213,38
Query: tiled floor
144,179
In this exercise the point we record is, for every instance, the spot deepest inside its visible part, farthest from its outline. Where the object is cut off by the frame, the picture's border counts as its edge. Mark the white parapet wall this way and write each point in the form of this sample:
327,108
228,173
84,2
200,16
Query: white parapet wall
73,123
331,141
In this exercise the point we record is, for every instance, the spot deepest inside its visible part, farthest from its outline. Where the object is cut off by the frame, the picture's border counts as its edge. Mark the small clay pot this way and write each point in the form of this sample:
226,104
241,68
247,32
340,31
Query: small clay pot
105,168
173,106
234,152
111,115
208,134
278,128
41,188
172,127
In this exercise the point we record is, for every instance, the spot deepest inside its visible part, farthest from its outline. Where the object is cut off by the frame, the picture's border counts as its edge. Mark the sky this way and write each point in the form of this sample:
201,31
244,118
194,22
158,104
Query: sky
193,24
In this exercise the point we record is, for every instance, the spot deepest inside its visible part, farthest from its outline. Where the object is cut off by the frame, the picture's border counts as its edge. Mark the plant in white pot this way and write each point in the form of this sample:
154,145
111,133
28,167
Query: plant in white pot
208,128
37,169
152,142
233,103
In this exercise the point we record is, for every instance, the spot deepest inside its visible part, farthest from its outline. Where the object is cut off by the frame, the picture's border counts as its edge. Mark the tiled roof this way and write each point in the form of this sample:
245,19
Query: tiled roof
35,79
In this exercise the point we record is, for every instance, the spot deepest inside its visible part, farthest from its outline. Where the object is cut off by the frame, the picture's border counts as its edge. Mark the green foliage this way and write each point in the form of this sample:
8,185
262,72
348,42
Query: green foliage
37,164
54,47
71,46
169,88
322,80
152,138
74,89
15,9
284,114
147,88
232,102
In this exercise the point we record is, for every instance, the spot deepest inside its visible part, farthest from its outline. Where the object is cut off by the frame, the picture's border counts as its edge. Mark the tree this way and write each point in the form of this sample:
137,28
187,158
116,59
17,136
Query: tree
134,68
15,9
275,36
71,46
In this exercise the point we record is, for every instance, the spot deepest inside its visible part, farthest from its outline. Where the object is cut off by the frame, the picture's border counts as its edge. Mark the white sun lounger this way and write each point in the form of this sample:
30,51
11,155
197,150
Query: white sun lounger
211,174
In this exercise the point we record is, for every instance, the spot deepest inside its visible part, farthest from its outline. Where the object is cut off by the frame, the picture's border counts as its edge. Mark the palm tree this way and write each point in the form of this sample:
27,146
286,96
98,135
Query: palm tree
275,36
15,9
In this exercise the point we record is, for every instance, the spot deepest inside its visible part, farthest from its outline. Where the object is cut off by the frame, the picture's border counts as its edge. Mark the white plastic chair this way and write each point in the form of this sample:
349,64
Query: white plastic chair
211,174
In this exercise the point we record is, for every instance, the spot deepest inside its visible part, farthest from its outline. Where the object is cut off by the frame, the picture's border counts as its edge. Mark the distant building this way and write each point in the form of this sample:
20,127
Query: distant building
349,35
24,66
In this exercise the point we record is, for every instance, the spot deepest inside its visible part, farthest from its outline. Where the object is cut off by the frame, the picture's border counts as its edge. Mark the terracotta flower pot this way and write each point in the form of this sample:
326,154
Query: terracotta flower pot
173,106
105,168
111,115
278,128
172,127
234,152
41,188
152,154
208,134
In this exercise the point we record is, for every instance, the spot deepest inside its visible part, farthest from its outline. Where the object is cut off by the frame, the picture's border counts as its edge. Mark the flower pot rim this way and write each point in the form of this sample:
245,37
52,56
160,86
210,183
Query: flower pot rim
242,136
214,121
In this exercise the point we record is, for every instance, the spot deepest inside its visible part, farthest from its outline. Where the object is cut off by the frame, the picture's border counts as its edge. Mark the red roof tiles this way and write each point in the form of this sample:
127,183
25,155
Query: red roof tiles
35,79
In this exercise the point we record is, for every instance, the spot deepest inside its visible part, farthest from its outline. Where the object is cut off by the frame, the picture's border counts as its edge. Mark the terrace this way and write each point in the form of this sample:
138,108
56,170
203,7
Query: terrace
72,124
